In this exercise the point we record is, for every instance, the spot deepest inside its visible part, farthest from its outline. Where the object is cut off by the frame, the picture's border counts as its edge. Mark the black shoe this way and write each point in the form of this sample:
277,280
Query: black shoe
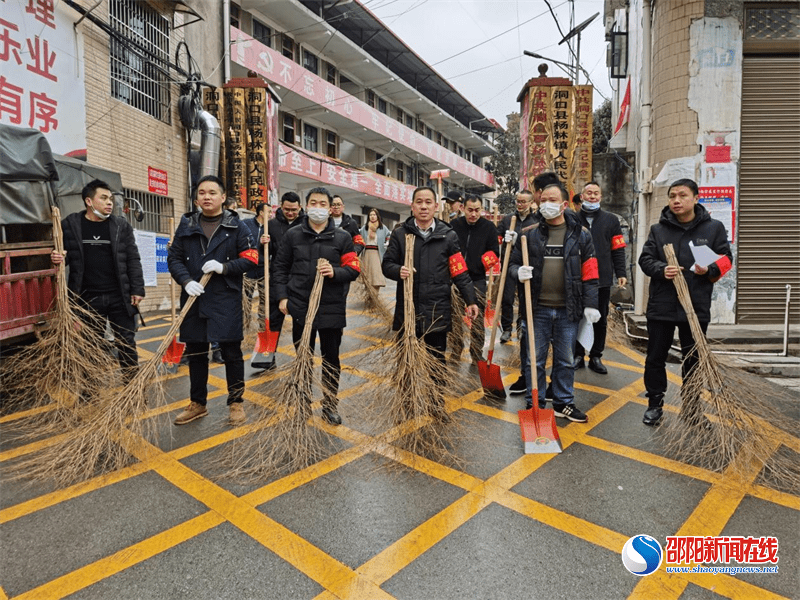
506,337
216,357
331,416
578,364
596,365
571,412
652,415
518,387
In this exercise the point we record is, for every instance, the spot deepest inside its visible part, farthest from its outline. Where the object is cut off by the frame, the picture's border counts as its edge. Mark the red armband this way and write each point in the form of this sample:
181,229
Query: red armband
618,242
457,264
489,259
358,240
250,254
589,270
724,265
351,260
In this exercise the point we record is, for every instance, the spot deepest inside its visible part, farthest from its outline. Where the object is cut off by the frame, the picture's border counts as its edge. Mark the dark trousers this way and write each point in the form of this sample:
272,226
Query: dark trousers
603,297
660,339
507,306
113,308
329,342
198,370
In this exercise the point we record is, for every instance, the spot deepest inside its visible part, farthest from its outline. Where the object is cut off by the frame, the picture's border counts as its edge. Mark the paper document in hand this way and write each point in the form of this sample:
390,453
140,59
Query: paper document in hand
585,334
703,255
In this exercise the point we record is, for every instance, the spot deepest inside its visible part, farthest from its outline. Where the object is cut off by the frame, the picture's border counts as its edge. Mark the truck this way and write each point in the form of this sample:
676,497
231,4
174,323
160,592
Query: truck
33,180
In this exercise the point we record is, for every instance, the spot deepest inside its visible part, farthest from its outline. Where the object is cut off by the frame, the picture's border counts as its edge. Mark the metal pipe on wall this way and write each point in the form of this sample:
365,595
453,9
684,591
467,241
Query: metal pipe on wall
643,160
226,40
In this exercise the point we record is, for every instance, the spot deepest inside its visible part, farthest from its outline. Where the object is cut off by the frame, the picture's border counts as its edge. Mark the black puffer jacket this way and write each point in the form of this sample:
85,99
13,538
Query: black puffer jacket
296,268
216,315
351,227
609,245
476,241
663,303
438,261
277,228
580,265
123,247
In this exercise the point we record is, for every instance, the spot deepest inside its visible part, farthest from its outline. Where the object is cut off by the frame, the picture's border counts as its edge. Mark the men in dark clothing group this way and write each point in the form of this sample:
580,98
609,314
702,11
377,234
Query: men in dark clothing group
213,240
295,270
478,238
609,248
105,271
683,221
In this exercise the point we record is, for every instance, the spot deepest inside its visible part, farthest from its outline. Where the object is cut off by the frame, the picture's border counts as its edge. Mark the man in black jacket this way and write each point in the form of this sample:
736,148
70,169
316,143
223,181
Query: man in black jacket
438,263
213,240
478,237
683,222
346,222
295,270
563,271
609,248
105,271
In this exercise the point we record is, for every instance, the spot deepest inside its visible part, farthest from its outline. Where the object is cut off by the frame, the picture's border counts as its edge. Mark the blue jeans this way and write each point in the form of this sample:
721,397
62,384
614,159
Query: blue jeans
551,326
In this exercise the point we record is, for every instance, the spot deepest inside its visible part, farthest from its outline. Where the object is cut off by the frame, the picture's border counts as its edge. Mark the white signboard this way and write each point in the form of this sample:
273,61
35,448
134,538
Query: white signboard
146,242
41,73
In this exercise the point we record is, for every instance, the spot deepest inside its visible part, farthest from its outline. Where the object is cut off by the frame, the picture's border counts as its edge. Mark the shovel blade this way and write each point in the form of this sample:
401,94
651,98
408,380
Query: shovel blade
538,429
267,341
491,380
174,352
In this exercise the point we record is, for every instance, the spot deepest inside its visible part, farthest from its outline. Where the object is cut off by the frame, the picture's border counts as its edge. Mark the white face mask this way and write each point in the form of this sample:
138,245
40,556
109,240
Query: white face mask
317,215
550,210
97,213
590,206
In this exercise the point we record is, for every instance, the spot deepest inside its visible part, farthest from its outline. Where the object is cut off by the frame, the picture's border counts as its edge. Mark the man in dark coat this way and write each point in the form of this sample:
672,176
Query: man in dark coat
563,271
346,222
105,271
683,222
213,240
295,270
609,248
478,238
438,263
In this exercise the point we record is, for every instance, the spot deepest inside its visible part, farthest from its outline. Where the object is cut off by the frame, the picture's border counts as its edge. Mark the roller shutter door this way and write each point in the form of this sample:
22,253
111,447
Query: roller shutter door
769,190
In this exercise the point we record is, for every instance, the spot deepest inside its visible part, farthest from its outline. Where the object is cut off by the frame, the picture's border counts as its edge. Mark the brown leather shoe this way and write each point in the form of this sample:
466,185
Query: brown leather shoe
236,415
195,410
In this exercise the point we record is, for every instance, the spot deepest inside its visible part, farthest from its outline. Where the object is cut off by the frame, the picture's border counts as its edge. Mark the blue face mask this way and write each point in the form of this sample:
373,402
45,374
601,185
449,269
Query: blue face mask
590,206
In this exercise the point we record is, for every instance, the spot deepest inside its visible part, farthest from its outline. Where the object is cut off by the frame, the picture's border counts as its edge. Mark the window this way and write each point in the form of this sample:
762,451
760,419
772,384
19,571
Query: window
287,46
310,62
156,210
422,178
235,13
428,132
461,152
401,171
371,98
400,116
331,75
310,138
438,138
288,129
410,175
138,66
382,105
409,121
380,164
420,127
331,145
262,33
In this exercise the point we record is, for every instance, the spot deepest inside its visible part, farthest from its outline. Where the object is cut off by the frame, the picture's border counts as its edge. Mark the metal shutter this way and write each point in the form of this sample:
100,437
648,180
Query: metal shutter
769,190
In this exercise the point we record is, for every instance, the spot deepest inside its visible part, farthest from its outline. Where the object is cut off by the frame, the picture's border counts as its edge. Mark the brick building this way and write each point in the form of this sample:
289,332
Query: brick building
710,90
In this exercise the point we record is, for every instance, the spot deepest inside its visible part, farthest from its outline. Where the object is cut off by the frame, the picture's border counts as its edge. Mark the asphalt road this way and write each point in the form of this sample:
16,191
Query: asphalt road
369,521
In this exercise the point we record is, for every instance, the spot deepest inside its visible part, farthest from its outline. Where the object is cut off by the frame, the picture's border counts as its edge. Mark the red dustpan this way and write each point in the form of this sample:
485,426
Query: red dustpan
172,356
537,425
491,380
267,341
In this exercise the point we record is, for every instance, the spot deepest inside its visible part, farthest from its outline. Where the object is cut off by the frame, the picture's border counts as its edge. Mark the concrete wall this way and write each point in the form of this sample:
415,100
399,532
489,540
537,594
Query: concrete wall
617,179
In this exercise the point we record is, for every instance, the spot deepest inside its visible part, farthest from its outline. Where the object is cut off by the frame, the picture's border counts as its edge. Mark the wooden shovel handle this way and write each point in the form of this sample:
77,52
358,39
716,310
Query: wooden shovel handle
501,286
266,262
173,291
529,314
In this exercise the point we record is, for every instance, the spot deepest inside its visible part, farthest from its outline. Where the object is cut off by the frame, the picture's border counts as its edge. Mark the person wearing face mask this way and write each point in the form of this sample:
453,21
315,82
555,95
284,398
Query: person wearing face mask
563,274
295,270
105,270
609,247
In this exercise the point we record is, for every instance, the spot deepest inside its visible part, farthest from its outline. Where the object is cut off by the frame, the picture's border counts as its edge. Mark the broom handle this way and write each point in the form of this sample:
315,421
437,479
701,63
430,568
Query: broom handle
491,275
684,296
58,240
266,264
500,288
529,313
176,324
313,305
172,290
408,288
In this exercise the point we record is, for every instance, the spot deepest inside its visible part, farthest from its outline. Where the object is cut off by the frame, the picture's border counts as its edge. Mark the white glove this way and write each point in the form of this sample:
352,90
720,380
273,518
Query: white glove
510,236
591,314
525,273
193,288
213,265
